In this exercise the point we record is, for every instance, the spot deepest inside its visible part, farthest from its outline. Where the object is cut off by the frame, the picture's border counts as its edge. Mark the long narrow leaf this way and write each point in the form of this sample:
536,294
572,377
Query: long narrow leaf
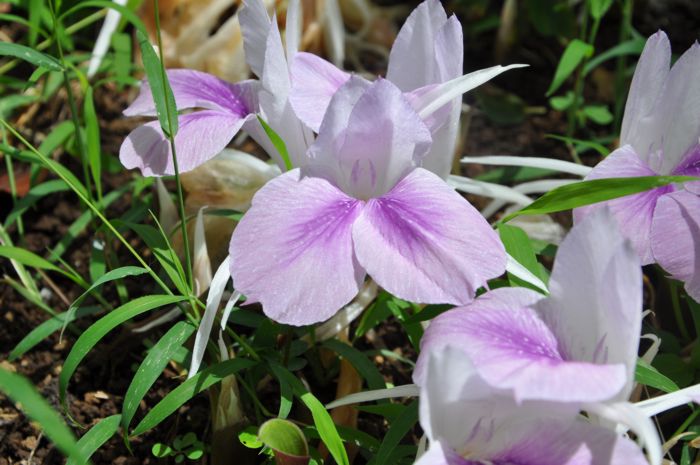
187,390
96,437
21,391
30,56
92,136
584,193
398,429
151,368
100,328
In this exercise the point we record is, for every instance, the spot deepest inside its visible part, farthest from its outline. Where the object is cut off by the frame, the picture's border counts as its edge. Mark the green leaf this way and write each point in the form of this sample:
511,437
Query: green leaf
562,103
551,17
249,438
599,114
278,143
582,144
25,257
92,136
283,436
187,390
161,450
518,245
104,325
322,420
119,273
21,391
160,88
598,8
362,364
584,193
30,55
57,137
649,376
96,437
398,429
514,174
630,47
47,328
152,366
574,53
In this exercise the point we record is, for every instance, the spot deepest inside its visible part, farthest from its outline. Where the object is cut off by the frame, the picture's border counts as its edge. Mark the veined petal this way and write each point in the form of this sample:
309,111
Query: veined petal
675,238
690,166
648,81
255,24
292,251
633,212
412,61
195,89
202,135
436,248
314,82
437,454
513,349
382,140
595,302
439,334
678,112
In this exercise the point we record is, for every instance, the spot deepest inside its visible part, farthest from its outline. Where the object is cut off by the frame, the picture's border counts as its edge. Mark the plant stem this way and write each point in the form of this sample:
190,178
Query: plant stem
621,63
180,197
677,311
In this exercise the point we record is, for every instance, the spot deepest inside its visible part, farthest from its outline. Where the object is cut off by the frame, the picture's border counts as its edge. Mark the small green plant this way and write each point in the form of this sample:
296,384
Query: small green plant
185,446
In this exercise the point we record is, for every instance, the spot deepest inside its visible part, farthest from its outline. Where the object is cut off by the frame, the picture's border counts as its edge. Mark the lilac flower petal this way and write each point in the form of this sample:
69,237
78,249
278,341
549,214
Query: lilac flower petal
202,135
195,89
514,349
595,302
678,112
436,248
633,212
437,454
675,238
383,137
412,61
314,82
292,251
504,298
559,442
255,24
274,100
690,166
462,411
293,25
648,81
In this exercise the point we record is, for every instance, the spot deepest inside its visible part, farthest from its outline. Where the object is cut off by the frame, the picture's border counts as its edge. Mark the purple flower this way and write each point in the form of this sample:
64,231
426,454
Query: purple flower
361,206
577,345
428,52
224,108
468,422
661,136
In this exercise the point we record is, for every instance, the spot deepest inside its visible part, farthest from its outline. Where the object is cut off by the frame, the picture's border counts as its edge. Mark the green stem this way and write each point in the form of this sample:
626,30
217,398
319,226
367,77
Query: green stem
621,62
681,429
171,137
71,103
677,311
13,189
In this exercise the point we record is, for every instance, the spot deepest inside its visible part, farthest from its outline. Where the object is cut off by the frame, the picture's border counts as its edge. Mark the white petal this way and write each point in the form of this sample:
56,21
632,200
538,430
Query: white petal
516,269
487,189
407,390
534,162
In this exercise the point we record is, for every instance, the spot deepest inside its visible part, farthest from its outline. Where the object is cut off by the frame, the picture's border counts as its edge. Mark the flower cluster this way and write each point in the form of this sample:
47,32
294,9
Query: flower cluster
506,377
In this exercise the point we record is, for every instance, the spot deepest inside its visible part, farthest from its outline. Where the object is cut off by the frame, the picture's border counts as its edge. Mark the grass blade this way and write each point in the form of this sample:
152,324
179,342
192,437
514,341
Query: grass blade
30,56
104,325
187,390
398,429
96,437
21,391
92,138
151,368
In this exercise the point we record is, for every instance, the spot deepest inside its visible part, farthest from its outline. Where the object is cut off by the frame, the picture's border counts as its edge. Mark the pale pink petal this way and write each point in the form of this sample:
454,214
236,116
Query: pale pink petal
435,247
255,24
678,112
690,166
314,82
412,61
195,89
513,349
292,251
595,302
648,81
201,136
383,139
509,298
675,238
633,212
